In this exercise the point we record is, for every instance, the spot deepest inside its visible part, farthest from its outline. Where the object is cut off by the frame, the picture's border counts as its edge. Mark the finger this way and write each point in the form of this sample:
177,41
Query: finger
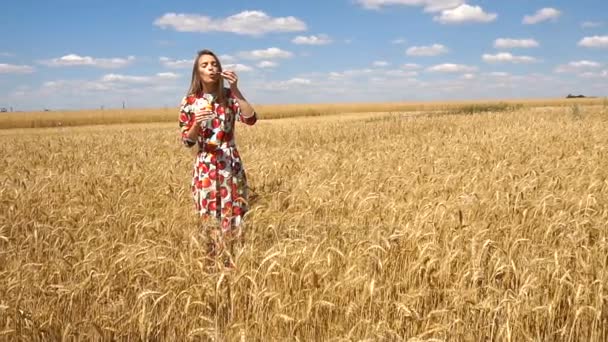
207,115
230,73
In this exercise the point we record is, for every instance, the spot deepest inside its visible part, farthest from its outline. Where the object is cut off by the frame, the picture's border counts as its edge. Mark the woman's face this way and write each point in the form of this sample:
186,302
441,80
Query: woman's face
208,69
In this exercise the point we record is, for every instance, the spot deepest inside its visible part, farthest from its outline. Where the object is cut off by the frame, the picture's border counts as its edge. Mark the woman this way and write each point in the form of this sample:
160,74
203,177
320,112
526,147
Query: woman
207,120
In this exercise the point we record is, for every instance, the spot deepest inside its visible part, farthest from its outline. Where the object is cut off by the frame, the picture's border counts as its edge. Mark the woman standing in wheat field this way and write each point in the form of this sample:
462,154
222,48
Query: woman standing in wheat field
207,118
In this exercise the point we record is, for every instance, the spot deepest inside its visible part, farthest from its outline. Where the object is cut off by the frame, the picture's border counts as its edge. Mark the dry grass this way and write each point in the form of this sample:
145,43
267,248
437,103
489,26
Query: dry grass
457,227
120,116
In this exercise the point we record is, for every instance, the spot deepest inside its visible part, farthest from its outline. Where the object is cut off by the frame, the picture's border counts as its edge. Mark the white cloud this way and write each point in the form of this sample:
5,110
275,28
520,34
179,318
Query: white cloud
429,5
399,41
371,73
76,60
430,50
15,69
410,66
269,53
168,75
465,13
336,75
452,68
267,64
508,43
577,66
541,15
227,59
599,74
380,64
77,86
252,23
353,73
505,57
110,91
363,74
400,73
175,63
321,39
594,42
21,91
187,63
499,74
293,83
318,87
110,83
130,79
592,24
298,81
585,64
126,78
359,72
237,67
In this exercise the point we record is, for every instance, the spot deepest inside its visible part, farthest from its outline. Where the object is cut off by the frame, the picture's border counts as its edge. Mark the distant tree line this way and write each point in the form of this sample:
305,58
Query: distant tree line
570,96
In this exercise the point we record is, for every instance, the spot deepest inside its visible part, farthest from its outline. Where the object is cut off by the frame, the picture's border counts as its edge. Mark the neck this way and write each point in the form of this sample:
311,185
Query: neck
210,88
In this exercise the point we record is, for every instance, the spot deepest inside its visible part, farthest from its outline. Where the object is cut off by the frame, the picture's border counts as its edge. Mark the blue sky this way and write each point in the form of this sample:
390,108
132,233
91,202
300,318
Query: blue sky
64,54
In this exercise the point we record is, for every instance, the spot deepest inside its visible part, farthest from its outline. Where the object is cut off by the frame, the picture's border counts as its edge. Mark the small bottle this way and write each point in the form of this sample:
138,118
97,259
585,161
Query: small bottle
209,123
211,143
206,104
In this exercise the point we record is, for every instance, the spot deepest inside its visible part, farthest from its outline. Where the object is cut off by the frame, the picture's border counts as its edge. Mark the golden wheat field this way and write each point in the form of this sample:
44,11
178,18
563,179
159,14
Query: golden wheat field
363,227
144,115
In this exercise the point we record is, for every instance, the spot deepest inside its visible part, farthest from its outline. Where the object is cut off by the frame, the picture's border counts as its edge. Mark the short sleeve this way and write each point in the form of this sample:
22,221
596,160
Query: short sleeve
236,109
186,120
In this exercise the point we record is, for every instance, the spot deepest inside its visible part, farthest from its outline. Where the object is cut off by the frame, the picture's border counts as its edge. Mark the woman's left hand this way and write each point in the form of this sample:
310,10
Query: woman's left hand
231,77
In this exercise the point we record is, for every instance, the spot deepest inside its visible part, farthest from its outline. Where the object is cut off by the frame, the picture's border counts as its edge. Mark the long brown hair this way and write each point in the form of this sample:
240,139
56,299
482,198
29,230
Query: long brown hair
196,84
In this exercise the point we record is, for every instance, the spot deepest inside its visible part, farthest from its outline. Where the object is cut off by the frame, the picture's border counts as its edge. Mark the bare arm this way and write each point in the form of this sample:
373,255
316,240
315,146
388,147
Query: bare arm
193,132
246,108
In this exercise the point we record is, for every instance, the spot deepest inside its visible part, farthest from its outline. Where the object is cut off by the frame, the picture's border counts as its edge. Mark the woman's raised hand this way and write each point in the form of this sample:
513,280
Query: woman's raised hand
231,77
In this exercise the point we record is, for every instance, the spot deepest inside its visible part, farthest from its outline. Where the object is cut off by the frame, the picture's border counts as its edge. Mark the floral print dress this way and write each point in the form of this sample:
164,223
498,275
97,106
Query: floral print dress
219,183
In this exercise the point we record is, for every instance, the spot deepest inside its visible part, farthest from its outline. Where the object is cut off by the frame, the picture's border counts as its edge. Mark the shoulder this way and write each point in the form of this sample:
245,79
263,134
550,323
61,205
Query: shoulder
188,100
